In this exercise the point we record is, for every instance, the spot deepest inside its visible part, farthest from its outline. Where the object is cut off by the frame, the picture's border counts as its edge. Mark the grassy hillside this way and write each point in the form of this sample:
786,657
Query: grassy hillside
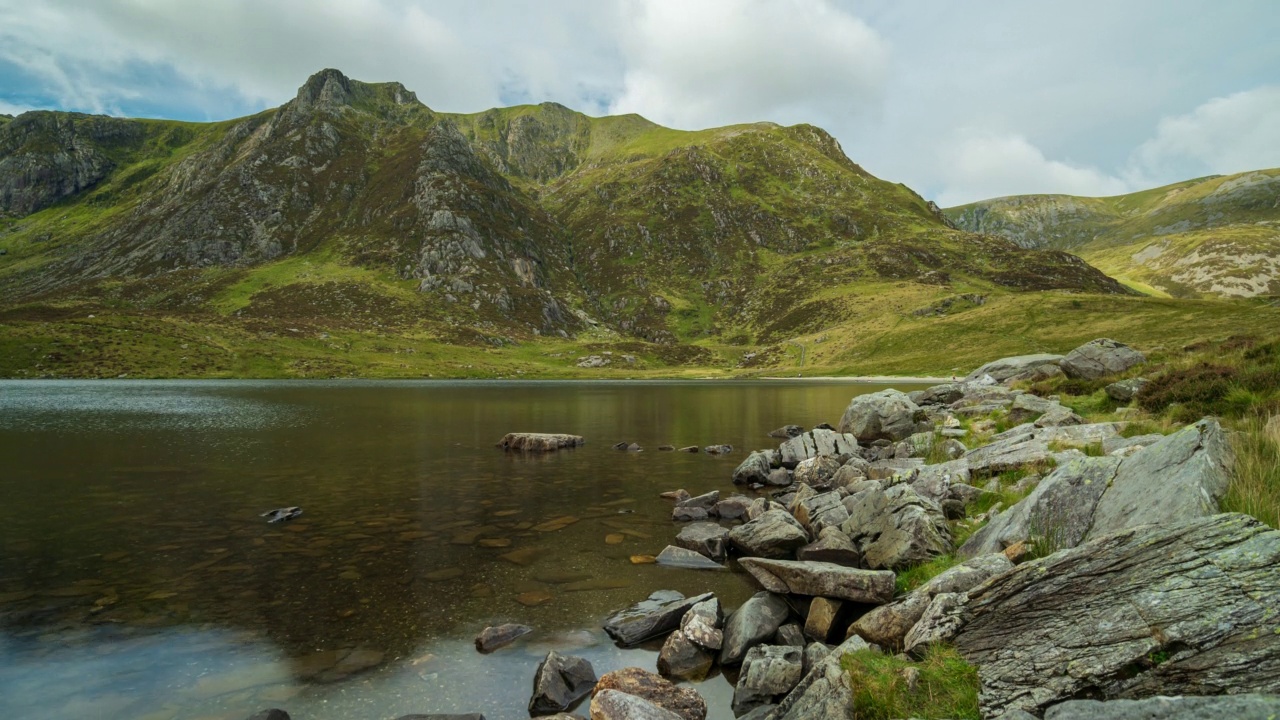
1217,236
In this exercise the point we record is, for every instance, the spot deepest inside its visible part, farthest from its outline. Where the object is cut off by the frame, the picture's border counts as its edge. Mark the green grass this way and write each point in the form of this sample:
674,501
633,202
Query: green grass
1255,487
917,575
947,686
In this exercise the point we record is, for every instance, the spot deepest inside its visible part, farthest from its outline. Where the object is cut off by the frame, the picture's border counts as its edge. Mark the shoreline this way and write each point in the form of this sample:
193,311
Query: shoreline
879,379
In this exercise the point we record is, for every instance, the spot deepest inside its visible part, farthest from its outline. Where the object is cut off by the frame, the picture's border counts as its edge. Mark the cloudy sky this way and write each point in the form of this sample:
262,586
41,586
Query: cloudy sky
960,100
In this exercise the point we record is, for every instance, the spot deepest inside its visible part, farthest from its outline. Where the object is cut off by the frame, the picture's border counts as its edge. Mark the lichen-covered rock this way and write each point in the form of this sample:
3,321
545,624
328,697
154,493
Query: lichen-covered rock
685,702
754,470
1028,407
815,443
895,527
817,471
1236,707
1125,390
820,511
824,692
768,672
832,546
1021,367
885,415
1169,609
774,534
702,624
1100,358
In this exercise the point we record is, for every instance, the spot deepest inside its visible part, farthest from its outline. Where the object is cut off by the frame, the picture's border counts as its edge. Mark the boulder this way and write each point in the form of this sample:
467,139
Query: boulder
689,514
756,621
678,557
278,714
706,501
786,431
684,702
790,634
615,705
754,470
732,508
820,511
817,471
492,638
854,470
938,624
538,442
718,449
1028,407
774,534
1058,512
917,445
1181,477
683,659
768,672
702,625
935,482
1021,367
1124,391
895,527
885,415
779,477
1100,358
1236,707
706,538
823,579
1058,416
658,615
832,546
815,443
815,653
1111,445
944,394
1166,609
559,682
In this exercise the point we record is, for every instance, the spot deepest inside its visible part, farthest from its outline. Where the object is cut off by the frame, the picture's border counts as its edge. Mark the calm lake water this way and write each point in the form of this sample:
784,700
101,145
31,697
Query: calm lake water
137,579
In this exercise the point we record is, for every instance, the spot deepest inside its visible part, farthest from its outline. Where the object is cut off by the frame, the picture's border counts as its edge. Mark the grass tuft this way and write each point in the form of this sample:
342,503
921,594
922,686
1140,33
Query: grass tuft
1255,489
947,686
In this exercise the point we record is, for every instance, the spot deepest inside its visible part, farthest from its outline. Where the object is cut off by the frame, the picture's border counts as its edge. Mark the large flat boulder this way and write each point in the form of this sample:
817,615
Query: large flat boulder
1169,609
1100,358
1181,477
538,442
822,579
1019,367
773,534
885,415
656,616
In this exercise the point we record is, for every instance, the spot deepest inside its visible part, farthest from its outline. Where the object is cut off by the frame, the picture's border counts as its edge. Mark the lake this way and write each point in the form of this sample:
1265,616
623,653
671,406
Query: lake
137,579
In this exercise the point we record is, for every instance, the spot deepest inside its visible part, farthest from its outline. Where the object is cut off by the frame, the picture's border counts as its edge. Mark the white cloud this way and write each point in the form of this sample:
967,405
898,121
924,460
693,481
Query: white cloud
715,62
12,109
978,166
1225,135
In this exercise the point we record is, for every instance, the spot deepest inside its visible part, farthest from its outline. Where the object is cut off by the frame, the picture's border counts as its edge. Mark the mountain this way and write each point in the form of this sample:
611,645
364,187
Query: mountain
1215,236
354,230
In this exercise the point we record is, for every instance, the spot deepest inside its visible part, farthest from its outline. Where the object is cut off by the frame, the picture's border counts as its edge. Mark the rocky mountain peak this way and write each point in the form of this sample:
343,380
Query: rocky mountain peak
328,89
331,91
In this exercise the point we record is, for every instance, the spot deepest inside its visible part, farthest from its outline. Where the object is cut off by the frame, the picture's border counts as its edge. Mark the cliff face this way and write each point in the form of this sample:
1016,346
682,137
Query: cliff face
533,218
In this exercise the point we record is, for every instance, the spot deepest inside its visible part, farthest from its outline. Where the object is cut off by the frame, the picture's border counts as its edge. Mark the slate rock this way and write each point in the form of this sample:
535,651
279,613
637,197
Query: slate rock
678,557
895,527
754,470
832,546
757,620
616,705
559,682
656,616
824,579
816,443
1235,707
707,538
702,624
768,672
823,692
492,638
682,659
732,508
1186,607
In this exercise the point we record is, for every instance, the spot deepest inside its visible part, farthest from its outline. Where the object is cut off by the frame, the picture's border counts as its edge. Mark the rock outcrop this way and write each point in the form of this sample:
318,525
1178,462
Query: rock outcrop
1100,358
884,415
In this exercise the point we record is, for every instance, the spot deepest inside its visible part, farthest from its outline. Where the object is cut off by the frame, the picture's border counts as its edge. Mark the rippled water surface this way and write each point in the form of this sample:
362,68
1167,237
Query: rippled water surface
137,579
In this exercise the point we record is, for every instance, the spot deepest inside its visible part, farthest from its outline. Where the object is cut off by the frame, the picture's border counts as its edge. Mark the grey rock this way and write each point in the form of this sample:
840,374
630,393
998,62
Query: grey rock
1059,416
755,622
1236,707
1111,445
917,445
754,470
702,625
779,477
1059,511
683,659
277,714
761,712
1125,390
815,653
887,415
678,557
1181,477
1028,407
732,508
815,443
832,546
492,638
817,471
887,625
1100,358
786,432
820,511
1182,607
683,701
967,575
894,528
789,634
824,579
768,671
656,616
560,681
1020,367
774,534
953,448
823,692
689,514
706,501
935,481
824,615
938,624
854,470
617,705
718,449
706,538
944,394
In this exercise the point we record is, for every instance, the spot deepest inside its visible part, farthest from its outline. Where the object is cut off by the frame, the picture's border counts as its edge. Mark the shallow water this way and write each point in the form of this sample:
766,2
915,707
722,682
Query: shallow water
137,579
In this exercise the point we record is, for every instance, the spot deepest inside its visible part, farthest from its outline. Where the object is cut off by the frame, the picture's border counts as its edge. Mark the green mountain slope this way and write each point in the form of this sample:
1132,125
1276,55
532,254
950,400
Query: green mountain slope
354,230
1215,236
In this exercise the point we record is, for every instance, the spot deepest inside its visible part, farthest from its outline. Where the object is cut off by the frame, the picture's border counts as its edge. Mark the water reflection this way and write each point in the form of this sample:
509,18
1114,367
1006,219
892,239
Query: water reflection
137,578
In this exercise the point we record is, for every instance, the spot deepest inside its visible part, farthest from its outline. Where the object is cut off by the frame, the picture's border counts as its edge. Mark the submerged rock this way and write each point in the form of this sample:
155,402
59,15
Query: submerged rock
679,557
539,442
492,638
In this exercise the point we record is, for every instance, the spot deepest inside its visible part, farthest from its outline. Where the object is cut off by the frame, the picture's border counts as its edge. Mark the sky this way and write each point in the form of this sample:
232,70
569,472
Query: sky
959,100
